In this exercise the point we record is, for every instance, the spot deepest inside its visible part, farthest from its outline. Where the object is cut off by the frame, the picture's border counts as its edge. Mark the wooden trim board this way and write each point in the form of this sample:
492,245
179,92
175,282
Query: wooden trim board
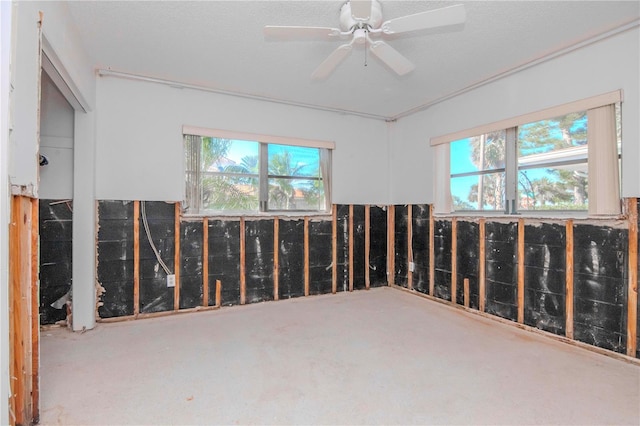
243,281
520,295
205,261
410,265
569,279
350,247
454,260
482,281
276,258
176,262
367,246
136,257
306,255
432,254
334,249
391,245
632,292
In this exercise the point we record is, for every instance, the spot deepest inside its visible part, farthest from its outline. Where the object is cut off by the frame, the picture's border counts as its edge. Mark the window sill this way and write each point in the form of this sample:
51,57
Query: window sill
257,215
556,216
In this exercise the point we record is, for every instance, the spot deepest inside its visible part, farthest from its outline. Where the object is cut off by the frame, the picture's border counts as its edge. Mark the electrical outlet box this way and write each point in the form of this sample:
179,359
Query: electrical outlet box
412,266
171,280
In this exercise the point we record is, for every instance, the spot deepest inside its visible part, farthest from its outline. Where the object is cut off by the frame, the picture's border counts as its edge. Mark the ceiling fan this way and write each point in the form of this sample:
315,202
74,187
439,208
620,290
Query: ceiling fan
361,20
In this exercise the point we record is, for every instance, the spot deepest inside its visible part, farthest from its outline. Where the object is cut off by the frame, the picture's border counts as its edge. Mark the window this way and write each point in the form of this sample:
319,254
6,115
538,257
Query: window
535,163
242,175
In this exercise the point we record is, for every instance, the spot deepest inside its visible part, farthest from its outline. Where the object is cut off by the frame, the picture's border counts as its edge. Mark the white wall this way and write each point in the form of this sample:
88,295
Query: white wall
60,32
56,143
23,143
139,139
5,49
604,66
77,68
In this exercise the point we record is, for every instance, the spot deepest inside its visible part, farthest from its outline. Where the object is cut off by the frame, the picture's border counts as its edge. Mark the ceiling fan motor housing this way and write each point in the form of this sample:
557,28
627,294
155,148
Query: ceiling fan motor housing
348,22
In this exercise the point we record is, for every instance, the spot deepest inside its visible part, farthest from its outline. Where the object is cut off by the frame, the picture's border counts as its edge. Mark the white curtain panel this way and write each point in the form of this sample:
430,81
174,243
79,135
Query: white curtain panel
604,177
325,170
442,201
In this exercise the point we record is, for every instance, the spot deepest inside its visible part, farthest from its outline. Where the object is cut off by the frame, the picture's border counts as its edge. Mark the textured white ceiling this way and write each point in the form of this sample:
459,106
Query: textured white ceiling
220,45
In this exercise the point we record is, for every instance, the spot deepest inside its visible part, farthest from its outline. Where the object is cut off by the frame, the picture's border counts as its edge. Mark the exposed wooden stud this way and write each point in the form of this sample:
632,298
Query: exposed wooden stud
569,279
481,267
334,249
410,247
205,261
35,312
454,260
350,247
521,271
218,293
243,282
176,260
136,257
367,246
16,316
632,297
391,245
21,314
306,255
276,261
465,283
432,253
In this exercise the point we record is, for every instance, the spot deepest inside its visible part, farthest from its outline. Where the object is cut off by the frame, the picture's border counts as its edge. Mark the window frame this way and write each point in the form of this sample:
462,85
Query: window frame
263,142
605,205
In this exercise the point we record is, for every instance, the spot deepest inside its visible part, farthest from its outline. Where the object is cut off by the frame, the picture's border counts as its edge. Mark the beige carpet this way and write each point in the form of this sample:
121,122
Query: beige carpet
370,357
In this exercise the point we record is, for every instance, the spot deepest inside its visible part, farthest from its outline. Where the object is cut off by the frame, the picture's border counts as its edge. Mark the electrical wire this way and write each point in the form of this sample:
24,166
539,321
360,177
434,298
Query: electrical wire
153,246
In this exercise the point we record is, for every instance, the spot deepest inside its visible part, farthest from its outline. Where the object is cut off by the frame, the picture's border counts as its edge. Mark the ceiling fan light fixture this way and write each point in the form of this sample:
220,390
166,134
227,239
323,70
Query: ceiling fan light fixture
360,36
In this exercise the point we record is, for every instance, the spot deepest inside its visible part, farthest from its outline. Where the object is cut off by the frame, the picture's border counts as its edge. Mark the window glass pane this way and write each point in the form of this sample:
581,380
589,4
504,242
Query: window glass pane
478,192
233,193
463,192
295,179
557,188
473,186
287,160
296,194
460,154
484,152
229,156
558,133
552,164
221,174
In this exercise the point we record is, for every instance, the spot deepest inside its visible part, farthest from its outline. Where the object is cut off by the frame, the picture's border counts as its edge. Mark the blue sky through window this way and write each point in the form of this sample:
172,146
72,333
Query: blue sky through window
309,157
460,152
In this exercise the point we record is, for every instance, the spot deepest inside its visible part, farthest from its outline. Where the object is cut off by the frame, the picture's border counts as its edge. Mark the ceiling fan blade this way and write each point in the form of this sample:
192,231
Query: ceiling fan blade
329,64
391,57
300,33
360,9
451,15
